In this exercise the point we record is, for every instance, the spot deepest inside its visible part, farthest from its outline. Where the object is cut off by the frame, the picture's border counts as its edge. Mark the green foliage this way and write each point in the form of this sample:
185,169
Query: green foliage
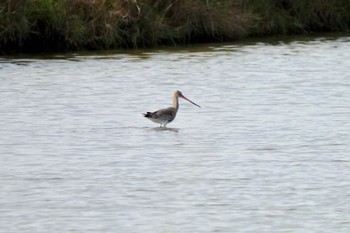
60,25
298,16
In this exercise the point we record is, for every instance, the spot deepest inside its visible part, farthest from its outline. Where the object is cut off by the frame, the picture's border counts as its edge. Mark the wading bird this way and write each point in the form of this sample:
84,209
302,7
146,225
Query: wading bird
167,115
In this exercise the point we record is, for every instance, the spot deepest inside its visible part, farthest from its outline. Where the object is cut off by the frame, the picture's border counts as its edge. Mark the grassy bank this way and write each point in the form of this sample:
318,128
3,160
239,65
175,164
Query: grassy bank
62,25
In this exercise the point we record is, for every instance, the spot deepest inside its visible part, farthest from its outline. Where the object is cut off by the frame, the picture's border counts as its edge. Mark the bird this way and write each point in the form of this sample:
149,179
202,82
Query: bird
167,115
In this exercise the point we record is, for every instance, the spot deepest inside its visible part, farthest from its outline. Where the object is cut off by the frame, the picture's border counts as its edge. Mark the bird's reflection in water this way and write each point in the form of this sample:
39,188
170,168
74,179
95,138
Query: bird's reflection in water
166,129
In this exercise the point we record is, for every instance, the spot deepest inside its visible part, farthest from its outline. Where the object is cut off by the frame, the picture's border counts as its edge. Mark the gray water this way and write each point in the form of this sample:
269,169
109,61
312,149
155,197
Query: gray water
269,151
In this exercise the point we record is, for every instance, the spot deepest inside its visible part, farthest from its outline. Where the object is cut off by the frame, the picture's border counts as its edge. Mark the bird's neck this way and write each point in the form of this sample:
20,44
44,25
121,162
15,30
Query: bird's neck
176,102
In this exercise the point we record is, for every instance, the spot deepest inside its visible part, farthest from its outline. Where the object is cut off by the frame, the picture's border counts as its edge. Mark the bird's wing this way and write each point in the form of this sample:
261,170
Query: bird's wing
165,114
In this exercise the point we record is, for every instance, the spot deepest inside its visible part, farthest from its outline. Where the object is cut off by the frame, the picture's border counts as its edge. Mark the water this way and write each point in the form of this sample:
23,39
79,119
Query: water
267,152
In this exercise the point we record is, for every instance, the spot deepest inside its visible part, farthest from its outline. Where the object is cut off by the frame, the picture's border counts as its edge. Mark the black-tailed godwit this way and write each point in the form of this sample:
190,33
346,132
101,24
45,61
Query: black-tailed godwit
167,115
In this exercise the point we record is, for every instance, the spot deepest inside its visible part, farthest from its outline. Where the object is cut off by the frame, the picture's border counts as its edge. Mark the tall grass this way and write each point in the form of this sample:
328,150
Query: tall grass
61,25
299,16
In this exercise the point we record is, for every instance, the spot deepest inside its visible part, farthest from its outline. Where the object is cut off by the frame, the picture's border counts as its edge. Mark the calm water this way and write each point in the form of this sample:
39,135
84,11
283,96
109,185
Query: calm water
269,151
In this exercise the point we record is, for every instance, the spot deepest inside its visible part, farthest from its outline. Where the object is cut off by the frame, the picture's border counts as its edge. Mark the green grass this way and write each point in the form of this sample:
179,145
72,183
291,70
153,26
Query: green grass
66,25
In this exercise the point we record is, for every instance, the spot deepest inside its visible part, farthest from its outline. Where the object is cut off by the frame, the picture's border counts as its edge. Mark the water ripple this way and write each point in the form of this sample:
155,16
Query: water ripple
267,152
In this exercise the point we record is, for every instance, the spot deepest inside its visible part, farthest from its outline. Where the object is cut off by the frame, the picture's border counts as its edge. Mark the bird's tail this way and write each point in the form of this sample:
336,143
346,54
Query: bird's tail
148,114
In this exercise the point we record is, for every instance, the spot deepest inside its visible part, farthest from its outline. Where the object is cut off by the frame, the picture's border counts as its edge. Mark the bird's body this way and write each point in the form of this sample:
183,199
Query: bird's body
163,116
167,115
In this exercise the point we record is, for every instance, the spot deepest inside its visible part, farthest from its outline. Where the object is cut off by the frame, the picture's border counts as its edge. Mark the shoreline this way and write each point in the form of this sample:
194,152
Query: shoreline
84,25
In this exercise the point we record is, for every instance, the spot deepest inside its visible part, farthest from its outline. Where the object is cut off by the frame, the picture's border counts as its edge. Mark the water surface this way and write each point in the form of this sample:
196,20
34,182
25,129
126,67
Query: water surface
267,152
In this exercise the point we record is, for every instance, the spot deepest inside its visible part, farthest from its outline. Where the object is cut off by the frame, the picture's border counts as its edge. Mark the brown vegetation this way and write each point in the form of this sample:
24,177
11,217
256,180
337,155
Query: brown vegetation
61,25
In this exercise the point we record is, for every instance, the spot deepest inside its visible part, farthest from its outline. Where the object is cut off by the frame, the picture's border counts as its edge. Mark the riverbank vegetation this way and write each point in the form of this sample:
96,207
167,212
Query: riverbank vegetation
63,25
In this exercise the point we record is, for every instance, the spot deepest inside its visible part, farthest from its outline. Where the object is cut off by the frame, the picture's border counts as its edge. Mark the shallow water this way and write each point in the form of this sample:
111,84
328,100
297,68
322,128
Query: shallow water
267,152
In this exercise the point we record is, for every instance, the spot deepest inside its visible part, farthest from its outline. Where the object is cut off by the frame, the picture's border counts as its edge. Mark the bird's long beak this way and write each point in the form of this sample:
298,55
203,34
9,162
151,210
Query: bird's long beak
184,97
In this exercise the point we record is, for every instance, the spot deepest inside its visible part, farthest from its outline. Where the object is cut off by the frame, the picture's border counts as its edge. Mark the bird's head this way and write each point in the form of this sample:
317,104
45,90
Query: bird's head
179,94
